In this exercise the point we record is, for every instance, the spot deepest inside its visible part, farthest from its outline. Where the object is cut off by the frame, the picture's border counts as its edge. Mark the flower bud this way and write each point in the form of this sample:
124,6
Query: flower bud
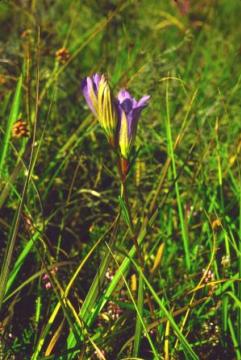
99,98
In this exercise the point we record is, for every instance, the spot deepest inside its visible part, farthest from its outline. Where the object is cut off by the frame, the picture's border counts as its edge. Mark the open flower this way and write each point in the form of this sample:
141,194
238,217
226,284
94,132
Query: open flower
99,98
129,113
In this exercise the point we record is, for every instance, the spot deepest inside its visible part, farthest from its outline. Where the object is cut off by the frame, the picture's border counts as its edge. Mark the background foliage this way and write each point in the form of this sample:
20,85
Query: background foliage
59,186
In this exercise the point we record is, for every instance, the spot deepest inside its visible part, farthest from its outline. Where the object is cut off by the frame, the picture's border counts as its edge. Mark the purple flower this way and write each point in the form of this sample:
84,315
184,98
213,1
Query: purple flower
118,117
90,86
99,98
129,112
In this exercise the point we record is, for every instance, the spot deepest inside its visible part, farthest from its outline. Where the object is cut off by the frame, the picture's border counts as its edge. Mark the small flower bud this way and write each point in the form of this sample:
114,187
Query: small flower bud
99,98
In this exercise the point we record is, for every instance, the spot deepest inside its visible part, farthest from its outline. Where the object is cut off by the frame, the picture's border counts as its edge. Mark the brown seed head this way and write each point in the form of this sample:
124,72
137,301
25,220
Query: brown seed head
62,55
20,129
216,224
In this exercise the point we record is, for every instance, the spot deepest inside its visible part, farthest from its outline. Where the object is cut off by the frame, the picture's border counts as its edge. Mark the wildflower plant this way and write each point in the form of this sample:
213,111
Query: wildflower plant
118,116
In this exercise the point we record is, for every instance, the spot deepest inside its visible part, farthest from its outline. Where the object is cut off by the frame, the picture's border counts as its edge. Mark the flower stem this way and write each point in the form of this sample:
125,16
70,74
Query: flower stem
124,196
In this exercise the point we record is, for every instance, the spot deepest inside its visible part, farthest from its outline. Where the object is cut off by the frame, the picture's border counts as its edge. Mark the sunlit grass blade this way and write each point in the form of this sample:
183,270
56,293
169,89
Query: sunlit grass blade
12,118
234,339
138,330
178,196
20,261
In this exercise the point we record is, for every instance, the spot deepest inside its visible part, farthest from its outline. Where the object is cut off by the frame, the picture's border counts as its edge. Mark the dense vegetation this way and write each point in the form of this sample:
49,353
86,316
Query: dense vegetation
91,267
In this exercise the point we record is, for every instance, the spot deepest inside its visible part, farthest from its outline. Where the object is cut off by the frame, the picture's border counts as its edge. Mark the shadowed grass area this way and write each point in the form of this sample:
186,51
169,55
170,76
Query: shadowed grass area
94,267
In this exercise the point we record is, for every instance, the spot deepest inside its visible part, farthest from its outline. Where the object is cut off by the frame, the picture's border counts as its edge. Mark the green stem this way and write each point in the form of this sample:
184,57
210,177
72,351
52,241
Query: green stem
124,195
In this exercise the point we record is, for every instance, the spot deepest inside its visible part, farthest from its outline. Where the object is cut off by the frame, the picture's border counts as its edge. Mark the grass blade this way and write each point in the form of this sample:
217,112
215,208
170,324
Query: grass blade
138,329
185,344
179,201
12,118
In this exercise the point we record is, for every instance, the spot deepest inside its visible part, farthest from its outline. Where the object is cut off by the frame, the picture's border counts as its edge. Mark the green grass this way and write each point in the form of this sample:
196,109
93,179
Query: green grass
91,267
